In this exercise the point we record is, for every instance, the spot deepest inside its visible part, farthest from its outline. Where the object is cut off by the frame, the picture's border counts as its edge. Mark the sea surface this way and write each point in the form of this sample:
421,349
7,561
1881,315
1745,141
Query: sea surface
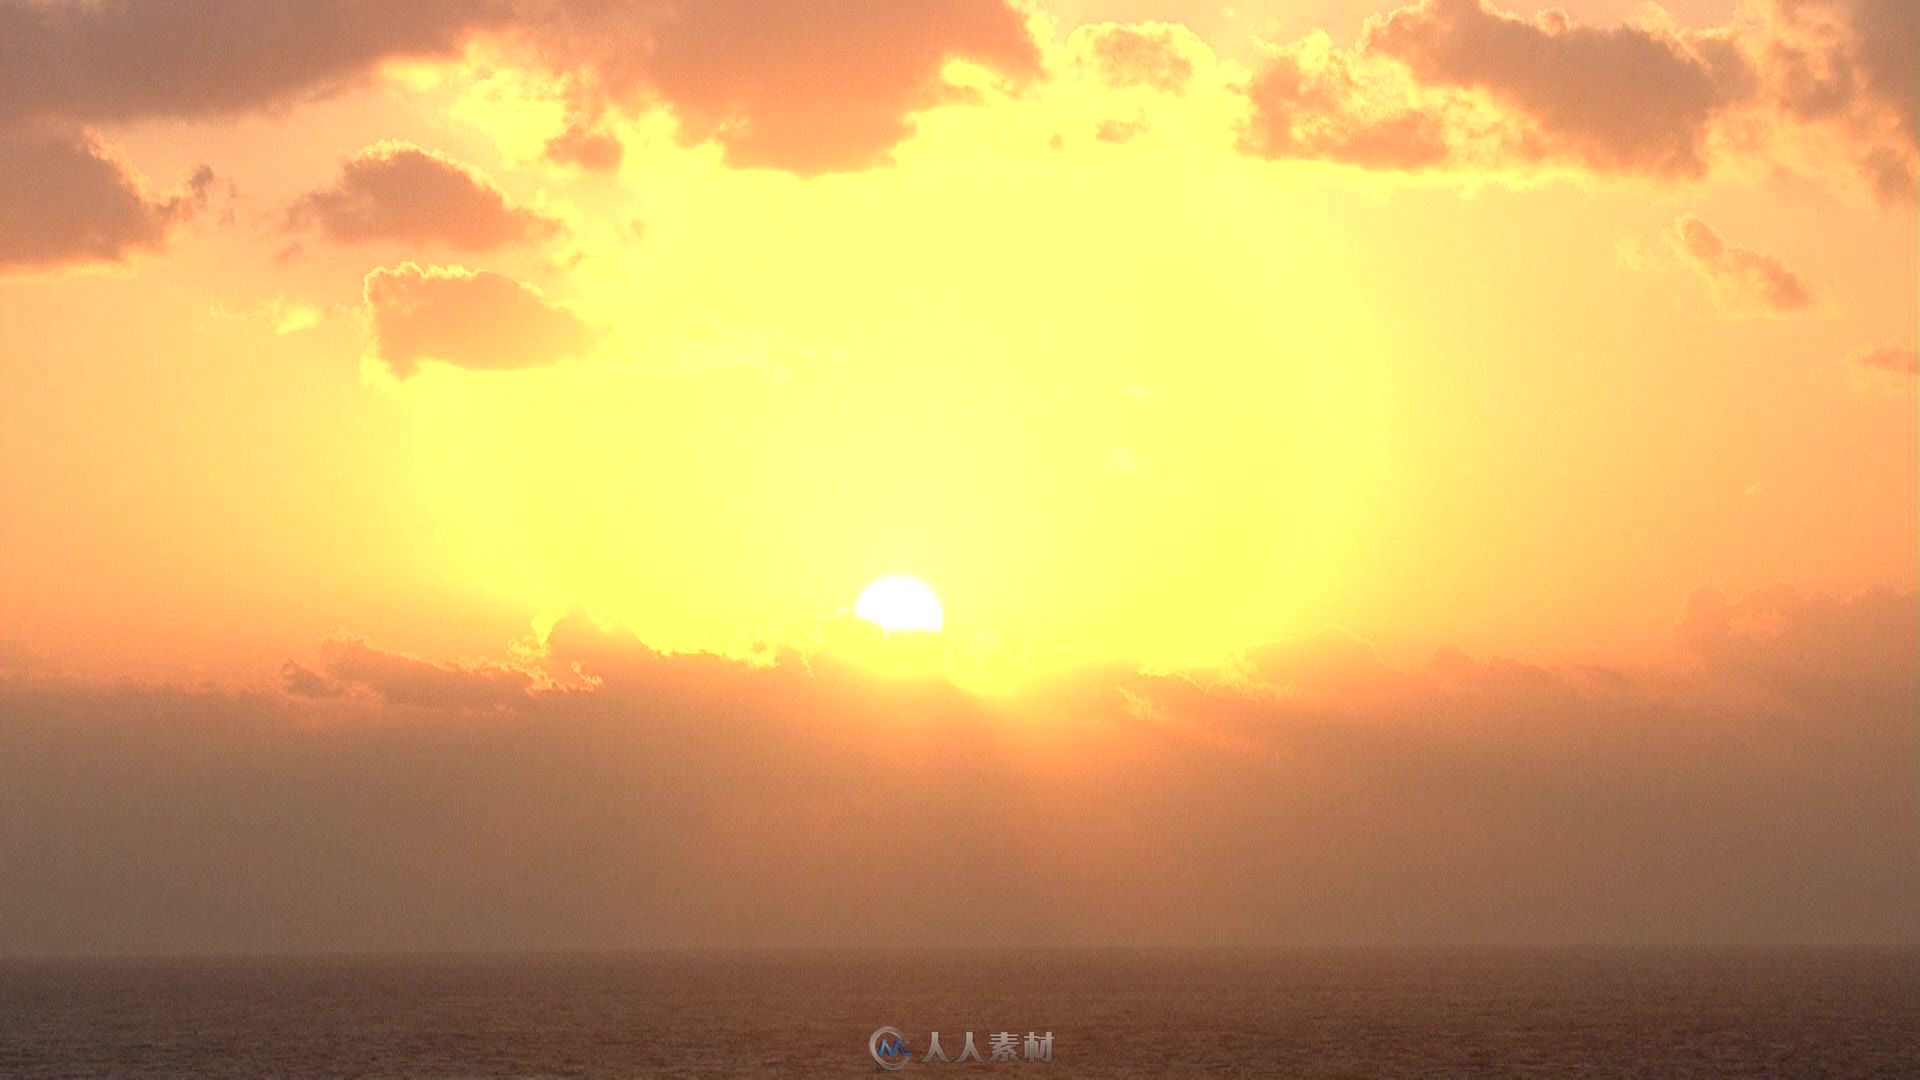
1789,1013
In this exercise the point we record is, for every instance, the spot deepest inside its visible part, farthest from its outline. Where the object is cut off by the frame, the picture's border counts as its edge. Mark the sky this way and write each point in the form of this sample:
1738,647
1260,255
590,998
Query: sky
1391,474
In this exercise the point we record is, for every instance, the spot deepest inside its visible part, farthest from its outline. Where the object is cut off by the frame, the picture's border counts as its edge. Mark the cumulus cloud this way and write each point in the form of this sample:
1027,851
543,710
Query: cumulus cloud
1738,271
1461,83
1899,359
66,63
1614,99
786,84
1822,85
469,318
1308,102
604,794
65,199
396,191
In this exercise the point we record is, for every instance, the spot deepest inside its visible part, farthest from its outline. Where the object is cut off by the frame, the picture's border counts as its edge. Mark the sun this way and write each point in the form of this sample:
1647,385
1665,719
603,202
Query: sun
899,604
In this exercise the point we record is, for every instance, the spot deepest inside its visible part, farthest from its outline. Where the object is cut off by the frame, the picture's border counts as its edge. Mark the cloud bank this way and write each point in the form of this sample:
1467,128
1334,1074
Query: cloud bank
598,793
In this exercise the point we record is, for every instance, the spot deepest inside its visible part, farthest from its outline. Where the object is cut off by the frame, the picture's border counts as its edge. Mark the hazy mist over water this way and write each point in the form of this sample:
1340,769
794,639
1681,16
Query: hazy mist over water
1799,1012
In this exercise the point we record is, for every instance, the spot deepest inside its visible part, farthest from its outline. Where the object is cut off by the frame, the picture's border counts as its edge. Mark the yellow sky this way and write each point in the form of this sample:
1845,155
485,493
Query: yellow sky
1159,399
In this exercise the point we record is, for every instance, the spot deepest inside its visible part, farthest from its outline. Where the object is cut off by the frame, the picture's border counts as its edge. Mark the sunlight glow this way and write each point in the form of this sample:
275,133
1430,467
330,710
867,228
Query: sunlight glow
897,604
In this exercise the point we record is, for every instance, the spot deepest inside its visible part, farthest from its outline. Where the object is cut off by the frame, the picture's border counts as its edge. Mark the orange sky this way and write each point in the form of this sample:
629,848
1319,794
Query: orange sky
348,349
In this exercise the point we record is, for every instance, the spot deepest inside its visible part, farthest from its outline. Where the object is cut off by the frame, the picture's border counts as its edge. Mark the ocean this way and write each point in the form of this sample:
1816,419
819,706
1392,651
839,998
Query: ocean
1357,1013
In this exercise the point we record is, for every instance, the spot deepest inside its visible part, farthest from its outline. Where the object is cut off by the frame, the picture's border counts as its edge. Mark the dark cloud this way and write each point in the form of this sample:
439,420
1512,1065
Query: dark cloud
1619,99
1852,66
1841,58
1887,48
605,794
125,60
1737,270
65,199
468,318
395,191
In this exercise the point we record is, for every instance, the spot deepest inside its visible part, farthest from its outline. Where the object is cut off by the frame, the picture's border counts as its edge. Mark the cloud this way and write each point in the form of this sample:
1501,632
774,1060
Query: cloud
604,794
1308,102
1884,37
395,191
128,60
784,84
1899,359
1821,85
348,665
1153,55
65,64
473,319
1620,99
1813,647
1737,270
793,85
1120,131
1890,176
302,681
65,199
788,84
813,88
586,148
1462,84
1852,67
1332,663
